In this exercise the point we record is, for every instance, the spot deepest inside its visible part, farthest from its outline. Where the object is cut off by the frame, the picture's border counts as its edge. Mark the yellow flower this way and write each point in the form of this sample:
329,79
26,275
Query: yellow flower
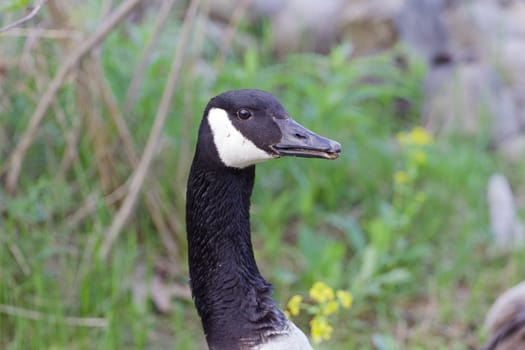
418,156
331,307
401,177
321,293
295,304
416,137
345,298
420,137
320,329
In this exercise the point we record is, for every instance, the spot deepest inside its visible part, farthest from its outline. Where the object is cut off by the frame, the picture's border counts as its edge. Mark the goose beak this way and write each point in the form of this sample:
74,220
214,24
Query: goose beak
298,141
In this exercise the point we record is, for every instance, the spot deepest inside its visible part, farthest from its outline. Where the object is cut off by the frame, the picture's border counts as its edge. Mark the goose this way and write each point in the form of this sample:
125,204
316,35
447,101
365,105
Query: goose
239,129
505,320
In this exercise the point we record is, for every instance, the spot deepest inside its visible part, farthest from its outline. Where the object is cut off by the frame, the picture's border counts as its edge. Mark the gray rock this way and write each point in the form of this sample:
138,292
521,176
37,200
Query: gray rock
512,149
475,53
370,25
421,27
306,25
506,227
467,97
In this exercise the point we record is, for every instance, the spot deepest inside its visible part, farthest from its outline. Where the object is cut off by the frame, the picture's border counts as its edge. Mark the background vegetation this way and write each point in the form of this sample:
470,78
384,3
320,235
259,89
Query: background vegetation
400,223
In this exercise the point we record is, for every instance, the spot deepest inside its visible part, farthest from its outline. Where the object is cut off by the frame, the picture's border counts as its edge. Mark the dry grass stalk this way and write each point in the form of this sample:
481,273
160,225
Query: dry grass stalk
91,205
233,25
72,136
153,201
17,156
91,322
97,133
19,258
88,80
55,34
185,146
138,177
38,6
138,75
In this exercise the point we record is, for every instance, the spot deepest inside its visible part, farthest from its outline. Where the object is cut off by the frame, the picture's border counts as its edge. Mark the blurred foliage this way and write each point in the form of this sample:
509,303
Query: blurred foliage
13,5
403,226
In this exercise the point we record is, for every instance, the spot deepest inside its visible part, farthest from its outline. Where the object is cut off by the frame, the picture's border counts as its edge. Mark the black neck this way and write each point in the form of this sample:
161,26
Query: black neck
232,298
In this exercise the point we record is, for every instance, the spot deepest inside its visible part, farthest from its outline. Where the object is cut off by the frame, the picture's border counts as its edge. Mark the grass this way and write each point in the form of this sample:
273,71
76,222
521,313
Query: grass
421,278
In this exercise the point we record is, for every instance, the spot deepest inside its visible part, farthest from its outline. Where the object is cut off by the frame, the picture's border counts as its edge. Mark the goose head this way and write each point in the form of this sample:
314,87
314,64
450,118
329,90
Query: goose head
243,127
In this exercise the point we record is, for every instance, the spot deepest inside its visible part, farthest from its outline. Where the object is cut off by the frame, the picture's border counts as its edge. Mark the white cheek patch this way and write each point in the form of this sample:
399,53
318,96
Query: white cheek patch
235,150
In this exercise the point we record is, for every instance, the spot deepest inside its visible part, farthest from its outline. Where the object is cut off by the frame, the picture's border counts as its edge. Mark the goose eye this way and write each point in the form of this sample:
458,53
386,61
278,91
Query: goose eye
243,113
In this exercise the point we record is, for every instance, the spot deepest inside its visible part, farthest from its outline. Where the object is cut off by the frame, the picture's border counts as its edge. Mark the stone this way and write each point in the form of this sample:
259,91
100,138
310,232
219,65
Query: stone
306,25
512,149
370,25
507,230
467,97
421,27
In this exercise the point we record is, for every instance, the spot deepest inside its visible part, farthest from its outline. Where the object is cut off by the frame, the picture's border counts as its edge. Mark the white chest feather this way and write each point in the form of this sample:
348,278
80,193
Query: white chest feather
293,340
234,149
